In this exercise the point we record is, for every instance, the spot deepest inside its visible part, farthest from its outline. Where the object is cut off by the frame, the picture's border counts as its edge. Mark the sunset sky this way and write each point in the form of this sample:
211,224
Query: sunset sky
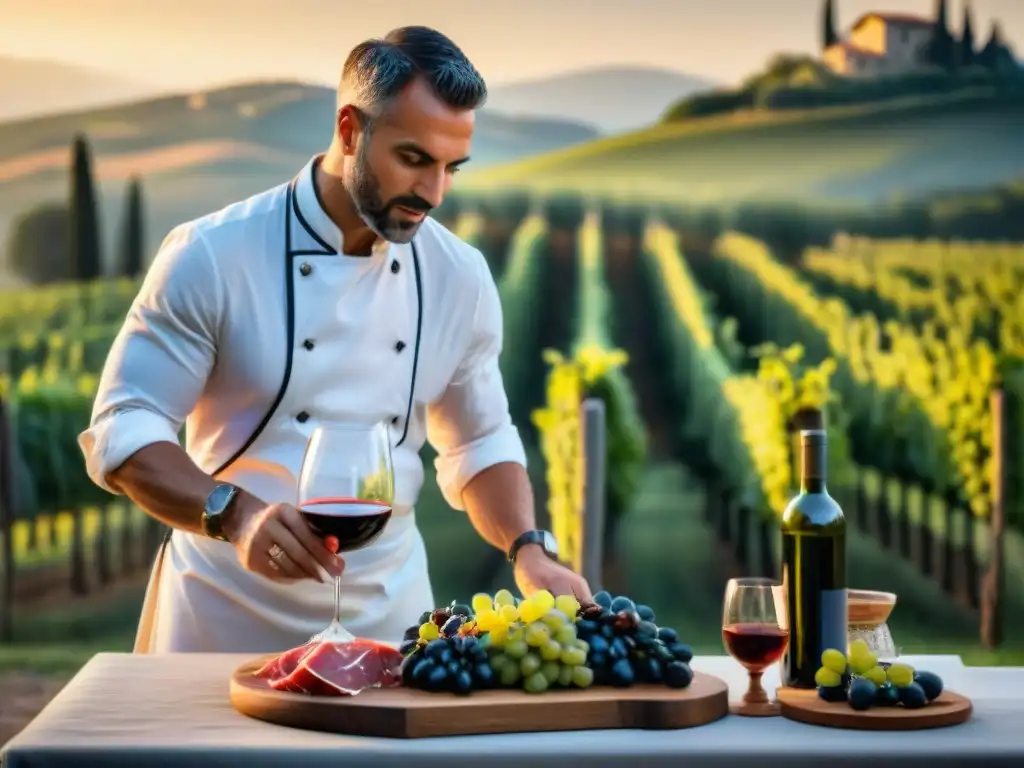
192,43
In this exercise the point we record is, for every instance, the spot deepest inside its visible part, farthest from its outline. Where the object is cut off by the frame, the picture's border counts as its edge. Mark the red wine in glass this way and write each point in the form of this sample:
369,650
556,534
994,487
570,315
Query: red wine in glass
755,646
346,492
344,523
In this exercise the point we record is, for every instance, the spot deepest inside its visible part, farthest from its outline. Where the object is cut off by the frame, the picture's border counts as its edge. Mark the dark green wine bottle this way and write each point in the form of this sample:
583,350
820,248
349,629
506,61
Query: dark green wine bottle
813,567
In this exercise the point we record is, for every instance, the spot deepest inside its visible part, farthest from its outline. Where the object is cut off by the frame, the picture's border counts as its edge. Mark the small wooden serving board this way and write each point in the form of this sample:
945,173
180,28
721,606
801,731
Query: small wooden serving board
806,706
409,713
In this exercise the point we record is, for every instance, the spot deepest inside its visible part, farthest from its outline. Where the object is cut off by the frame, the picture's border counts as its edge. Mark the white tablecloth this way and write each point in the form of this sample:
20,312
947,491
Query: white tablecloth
145,711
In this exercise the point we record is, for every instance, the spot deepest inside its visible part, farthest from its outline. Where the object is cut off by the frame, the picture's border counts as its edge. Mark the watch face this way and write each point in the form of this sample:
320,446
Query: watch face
550,543
218,499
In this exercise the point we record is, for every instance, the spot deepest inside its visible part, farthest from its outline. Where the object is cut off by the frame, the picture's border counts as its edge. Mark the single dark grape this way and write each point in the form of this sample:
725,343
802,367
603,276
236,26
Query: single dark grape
459,609
440,616
622,674
437,678
451,626
598,644
421,669
912,696
597,659
437,649
647,628
832,693
584,627
677,674
408,646
930,683
412,633
667,635
424,618
862,693
603,599
681,652
463,681
622,604
646,612
483,674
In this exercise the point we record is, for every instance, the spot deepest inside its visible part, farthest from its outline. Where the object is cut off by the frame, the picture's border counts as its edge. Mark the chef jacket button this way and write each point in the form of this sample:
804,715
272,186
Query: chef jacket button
395,266
302,418
308,344
394,420
305,268
399,346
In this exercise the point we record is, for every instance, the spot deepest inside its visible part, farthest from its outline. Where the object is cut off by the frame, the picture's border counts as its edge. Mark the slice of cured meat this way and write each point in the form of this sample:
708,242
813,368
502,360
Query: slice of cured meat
284,664
334,669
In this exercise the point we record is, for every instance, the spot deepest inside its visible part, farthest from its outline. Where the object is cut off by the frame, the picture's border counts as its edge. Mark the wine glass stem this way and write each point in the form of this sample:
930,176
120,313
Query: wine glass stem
756,693
337,601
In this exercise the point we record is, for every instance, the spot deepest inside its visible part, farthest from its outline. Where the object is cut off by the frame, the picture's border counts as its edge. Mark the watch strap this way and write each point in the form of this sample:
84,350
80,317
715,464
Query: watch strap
525,539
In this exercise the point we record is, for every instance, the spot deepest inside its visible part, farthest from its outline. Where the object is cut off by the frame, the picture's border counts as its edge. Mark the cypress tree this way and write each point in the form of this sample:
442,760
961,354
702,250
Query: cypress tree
942,46
828,33
133,234
85,231
967,39
995,53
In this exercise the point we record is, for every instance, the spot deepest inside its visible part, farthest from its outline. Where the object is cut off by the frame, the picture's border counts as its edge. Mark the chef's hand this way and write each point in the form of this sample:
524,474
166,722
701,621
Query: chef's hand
275,541
535,570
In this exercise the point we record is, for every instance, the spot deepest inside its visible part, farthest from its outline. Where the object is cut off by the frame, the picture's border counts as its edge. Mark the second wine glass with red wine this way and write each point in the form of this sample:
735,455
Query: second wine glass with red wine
755,633
346,493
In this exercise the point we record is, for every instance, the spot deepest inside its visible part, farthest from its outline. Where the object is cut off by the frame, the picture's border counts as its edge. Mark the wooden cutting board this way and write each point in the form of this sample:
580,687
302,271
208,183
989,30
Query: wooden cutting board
806,706
410,713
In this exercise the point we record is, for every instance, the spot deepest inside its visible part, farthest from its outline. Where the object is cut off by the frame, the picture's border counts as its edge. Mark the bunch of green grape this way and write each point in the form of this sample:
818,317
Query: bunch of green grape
863,683
533,644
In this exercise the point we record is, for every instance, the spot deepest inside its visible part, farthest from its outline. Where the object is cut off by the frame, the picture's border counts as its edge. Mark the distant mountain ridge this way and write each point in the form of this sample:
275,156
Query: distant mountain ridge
198,152
613,99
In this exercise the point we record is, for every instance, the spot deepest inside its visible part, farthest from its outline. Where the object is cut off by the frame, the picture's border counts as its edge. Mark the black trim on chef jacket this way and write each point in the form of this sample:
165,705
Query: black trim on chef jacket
292,205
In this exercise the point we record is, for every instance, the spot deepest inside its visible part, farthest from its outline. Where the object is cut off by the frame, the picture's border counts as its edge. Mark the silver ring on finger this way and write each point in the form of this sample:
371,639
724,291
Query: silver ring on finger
275,552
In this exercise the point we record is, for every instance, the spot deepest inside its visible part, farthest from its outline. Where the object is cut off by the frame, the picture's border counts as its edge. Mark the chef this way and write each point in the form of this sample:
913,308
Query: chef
332,298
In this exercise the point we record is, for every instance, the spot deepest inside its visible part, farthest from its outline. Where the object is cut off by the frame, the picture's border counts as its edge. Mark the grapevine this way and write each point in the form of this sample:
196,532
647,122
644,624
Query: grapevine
939,381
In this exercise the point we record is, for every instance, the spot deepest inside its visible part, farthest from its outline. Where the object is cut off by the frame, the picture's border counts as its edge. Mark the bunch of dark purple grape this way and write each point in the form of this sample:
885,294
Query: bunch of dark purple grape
627,647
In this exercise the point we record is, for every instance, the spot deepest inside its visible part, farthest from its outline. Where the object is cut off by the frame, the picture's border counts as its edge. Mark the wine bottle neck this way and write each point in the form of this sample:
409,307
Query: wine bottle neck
814,463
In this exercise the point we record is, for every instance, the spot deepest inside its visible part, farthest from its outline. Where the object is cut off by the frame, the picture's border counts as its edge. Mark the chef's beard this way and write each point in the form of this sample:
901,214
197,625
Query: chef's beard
377,214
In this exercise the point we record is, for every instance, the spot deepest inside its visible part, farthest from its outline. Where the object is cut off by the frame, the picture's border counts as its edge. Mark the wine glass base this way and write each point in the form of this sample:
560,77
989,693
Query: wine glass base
755,709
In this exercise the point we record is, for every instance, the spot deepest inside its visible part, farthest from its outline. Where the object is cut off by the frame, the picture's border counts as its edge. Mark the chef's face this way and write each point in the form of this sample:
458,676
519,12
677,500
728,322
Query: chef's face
401,171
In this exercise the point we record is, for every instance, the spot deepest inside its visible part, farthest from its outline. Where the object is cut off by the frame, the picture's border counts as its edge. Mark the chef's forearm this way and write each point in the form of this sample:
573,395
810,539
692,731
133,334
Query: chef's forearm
499,503
164,481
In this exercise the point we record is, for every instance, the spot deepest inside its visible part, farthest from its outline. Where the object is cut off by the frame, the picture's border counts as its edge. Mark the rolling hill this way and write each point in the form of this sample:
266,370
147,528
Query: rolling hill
613,99
199,152
865,153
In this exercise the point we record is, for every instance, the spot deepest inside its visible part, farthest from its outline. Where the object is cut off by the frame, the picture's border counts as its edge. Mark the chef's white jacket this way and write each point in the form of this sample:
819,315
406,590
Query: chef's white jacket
252,326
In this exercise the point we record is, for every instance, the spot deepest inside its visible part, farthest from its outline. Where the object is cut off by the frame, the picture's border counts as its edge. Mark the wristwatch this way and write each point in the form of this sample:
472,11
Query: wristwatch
217,504
545,539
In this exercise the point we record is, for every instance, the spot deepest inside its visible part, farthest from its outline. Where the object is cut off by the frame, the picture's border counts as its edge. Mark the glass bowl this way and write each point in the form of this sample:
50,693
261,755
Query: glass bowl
867,613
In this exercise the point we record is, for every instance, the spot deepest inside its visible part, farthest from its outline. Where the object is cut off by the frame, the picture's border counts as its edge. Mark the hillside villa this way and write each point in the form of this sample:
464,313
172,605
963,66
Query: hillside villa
881,44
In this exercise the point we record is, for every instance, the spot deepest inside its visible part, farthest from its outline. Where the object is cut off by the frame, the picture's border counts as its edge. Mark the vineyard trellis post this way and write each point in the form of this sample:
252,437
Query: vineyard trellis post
6,524
1005,406
594,458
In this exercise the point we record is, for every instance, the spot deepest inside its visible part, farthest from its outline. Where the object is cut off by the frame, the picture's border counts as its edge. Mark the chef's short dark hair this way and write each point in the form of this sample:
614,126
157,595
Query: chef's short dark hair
376,71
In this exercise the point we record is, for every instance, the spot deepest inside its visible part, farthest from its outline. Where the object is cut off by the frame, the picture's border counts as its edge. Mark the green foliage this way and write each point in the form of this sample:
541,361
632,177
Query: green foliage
39,243
626,436
519,288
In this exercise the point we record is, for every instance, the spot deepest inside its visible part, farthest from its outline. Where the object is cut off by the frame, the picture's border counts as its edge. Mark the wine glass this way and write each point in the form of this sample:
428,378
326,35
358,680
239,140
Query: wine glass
346,492
755,633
